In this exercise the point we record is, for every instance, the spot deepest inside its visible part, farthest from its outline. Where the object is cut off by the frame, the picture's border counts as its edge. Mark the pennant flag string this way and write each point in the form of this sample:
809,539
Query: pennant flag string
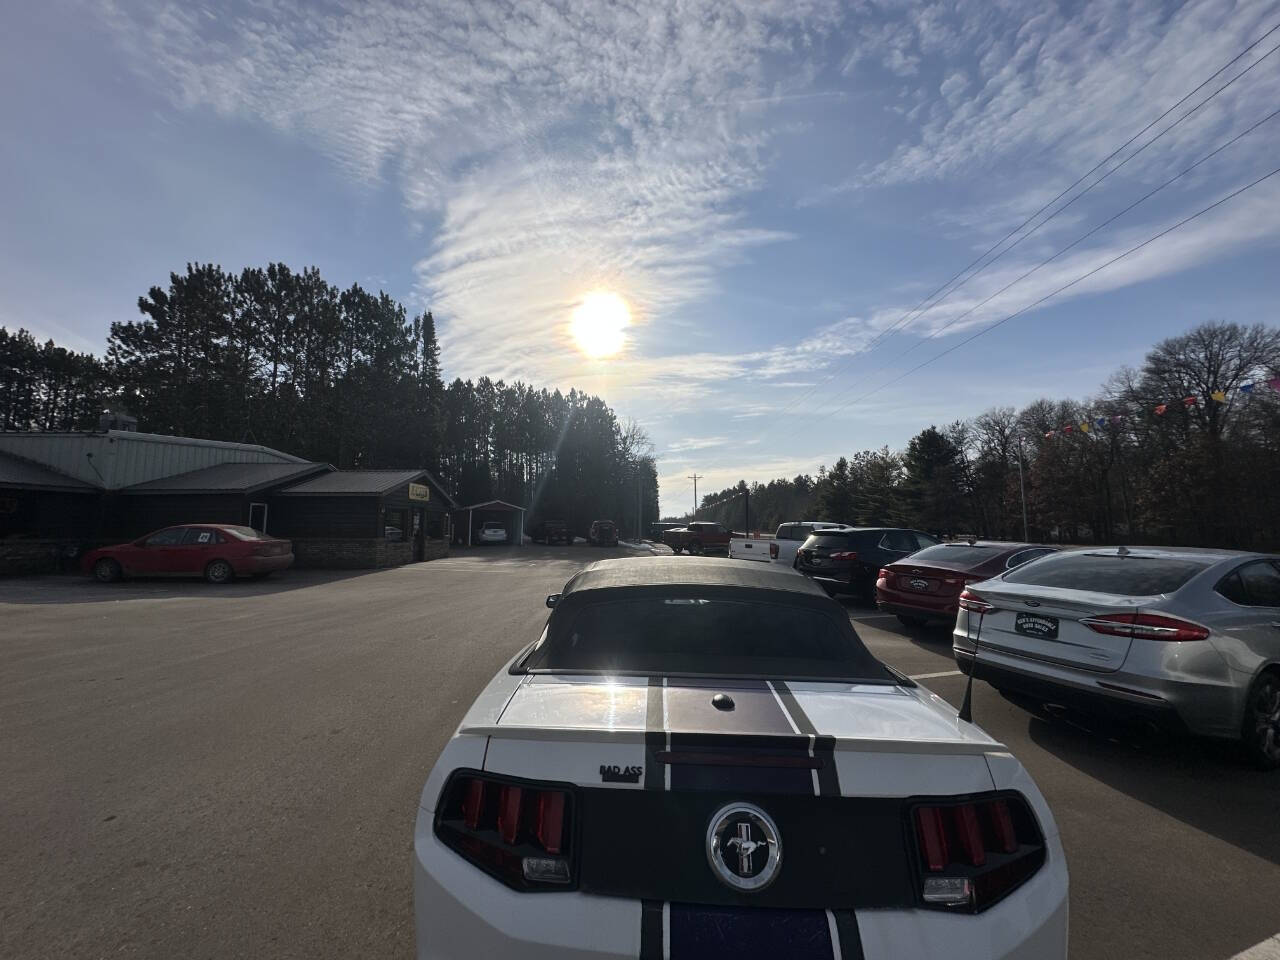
1215,396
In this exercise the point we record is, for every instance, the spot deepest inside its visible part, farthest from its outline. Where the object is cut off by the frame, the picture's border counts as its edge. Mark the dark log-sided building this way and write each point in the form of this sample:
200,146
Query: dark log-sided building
61,493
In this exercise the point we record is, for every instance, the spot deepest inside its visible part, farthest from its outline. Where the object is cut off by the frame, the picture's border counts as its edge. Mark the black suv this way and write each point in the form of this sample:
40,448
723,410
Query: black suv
847,561
603,534
550,531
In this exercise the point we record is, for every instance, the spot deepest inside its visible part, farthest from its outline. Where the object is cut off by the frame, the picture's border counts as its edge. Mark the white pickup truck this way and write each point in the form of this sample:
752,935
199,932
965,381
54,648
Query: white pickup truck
782,546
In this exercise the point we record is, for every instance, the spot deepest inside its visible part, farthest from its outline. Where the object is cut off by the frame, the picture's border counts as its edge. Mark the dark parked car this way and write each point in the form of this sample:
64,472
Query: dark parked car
848,561
603,534
926,585
218,552
552,531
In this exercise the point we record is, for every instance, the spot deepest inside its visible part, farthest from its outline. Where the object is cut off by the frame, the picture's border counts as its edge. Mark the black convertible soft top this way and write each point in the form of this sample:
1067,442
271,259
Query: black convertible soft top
668,616
689,571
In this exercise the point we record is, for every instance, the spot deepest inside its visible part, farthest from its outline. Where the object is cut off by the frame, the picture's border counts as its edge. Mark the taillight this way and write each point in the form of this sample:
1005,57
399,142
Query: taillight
773,551
884,574
516,831
1149,626
972,602
974,852
844,555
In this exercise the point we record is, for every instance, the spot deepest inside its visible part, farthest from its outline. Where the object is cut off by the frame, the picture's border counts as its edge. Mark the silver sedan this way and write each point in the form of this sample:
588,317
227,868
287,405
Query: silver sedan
1186,638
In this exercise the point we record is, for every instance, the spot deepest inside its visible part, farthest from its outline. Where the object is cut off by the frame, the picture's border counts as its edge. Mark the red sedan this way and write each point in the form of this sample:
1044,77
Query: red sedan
926,585
218,552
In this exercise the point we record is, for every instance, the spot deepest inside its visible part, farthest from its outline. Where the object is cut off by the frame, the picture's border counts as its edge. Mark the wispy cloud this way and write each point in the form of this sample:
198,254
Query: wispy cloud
553,149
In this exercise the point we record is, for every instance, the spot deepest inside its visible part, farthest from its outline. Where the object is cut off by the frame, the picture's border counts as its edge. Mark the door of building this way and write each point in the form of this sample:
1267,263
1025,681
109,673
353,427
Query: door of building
419,536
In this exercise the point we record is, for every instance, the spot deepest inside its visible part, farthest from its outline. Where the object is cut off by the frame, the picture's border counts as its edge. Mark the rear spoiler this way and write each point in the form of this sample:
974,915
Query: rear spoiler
603,735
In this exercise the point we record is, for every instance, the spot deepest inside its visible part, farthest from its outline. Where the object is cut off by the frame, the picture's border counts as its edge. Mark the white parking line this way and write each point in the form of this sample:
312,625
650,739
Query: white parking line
934,676
1268,949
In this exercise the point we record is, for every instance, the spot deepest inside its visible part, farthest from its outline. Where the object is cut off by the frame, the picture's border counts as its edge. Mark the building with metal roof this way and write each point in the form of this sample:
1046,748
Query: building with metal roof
365,518
60,492
115,459
475,516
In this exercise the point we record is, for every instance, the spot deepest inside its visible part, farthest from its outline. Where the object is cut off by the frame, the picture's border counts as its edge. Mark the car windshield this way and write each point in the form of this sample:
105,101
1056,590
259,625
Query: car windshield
1134,575
831,541
245,533
668,636
954,555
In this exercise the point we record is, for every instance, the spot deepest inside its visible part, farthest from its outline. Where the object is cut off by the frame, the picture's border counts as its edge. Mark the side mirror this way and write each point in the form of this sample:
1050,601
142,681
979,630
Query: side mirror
553,599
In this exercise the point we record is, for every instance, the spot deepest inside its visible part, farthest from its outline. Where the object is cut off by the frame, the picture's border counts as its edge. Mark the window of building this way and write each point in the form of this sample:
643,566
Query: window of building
393,525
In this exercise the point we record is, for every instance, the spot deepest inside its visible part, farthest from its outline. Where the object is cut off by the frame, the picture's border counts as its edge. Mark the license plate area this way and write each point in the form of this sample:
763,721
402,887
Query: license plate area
1035,625
918,584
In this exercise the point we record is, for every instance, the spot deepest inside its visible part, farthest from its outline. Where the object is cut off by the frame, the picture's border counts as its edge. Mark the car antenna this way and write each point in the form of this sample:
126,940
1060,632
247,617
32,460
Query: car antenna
966,705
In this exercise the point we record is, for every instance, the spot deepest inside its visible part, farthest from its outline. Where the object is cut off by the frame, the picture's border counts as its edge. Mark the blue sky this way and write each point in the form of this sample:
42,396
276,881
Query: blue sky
769,184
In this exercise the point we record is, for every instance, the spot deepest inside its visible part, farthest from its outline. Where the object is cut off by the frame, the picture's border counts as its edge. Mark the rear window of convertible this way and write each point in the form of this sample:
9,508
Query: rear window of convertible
686,636
1131,576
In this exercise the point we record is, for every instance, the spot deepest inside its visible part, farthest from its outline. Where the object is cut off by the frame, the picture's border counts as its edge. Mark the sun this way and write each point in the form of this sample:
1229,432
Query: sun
599,324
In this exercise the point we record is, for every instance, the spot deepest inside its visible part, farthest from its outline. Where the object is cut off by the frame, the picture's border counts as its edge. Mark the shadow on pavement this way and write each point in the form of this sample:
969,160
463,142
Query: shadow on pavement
67,588
1206,784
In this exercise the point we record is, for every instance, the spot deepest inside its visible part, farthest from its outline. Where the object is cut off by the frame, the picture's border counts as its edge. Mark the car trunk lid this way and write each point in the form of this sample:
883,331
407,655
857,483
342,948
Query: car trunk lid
933,580
1043,623
679,734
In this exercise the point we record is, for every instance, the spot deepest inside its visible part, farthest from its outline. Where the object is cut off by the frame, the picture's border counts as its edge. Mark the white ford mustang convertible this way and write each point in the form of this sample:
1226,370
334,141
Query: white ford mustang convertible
700,759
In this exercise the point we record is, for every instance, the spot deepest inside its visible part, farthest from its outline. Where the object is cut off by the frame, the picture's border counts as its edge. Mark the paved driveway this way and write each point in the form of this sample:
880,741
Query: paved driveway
233,772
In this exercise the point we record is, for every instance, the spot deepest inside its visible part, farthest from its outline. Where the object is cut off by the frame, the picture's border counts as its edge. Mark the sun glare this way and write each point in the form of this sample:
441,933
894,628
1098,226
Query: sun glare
599,324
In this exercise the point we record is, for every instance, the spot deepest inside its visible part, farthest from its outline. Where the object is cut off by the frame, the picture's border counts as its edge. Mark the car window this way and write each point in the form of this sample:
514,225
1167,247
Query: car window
1134,575
801,532
199,537
898,540
1261,583
671,635
954,555
1026,556
246,533
1232,587
167,538
831,541
924,540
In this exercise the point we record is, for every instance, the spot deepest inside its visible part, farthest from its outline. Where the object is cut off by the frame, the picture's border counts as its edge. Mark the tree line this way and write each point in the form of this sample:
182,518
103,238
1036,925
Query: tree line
1199,474
285,359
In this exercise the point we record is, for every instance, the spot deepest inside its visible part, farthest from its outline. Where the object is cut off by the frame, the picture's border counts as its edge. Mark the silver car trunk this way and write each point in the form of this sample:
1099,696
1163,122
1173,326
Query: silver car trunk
1043,623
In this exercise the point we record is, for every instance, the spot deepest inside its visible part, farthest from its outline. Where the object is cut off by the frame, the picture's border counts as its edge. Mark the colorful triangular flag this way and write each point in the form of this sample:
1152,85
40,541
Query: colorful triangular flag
1274,384
1188,401
1049,435
1161,409
1246,388
1219,395
1084,427
1068,428
1102,422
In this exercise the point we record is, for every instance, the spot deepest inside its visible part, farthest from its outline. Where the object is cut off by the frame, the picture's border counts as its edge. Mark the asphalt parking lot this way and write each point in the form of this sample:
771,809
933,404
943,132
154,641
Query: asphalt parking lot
199,771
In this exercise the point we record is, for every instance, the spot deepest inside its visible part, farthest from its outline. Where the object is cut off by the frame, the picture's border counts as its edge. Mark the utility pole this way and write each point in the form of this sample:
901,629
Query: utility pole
639,506
1022,488
695,478
746,513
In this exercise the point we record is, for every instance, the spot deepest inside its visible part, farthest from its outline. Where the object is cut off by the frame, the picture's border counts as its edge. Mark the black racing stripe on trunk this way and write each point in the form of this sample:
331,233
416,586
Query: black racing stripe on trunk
747,933
850,938
824,748
757,710
651,930
655,738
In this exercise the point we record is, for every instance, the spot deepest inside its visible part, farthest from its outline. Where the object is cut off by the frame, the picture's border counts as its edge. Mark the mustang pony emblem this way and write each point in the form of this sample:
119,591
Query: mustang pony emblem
744,847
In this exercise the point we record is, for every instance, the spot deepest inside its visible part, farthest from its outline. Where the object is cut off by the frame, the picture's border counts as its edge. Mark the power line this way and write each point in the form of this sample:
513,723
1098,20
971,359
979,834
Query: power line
1085,236
935,294
1053,293
921,306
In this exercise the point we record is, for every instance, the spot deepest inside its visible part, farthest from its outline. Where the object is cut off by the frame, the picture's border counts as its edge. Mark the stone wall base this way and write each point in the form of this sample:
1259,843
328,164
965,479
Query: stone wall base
358,554
18,557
